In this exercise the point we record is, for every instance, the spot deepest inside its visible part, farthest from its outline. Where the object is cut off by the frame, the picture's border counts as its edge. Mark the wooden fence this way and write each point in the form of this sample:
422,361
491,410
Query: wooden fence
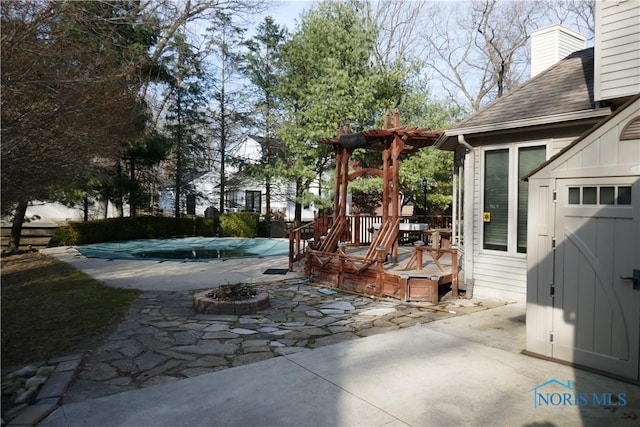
35,236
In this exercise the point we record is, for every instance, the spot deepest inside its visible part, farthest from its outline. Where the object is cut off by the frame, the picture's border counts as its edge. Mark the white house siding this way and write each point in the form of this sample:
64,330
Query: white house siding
552,44
617,49
57,212
499,275
601,157
495,276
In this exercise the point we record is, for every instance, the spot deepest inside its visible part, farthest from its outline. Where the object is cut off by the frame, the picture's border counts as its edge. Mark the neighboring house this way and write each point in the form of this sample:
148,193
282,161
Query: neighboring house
242,194
561,240
59,212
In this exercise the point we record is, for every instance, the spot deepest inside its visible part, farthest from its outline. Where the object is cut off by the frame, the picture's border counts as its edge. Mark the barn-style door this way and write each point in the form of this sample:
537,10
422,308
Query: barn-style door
596,311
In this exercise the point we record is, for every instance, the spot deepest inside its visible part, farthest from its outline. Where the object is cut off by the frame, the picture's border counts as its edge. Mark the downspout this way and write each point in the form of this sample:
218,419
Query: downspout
468,216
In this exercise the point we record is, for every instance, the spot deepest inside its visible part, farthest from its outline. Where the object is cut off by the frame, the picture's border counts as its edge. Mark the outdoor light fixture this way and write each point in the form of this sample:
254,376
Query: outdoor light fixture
425,184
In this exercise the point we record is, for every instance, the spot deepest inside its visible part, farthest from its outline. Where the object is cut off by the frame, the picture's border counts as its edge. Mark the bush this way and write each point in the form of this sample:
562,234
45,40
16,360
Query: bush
240,224
130,228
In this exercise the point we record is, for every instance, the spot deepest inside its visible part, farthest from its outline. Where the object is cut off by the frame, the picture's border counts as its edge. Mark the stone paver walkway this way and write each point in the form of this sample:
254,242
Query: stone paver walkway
162,339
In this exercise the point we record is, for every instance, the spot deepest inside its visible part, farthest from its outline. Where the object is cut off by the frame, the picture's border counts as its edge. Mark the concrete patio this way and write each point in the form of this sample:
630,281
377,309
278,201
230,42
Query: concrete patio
460,370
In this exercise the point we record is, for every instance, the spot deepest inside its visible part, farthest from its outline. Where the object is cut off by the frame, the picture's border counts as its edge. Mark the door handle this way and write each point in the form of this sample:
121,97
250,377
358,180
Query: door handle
635,279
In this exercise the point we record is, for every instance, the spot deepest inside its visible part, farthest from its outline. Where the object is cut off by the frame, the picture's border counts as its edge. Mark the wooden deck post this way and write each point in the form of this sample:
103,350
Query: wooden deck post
382,253
454,272
419,248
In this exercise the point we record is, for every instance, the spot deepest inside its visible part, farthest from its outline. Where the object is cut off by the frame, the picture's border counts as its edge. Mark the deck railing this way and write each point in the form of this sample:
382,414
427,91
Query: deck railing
298,240
359,232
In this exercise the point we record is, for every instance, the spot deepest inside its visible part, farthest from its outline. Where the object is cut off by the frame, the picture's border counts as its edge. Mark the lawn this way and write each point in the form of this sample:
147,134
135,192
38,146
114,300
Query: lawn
50,309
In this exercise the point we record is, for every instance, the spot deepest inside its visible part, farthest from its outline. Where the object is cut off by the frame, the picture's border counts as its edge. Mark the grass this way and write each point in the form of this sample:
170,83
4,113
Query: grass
50,309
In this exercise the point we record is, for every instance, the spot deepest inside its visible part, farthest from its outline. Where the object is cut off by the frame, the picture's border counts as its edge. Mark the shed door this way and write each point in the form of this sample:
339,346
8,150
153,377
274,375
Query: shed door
596,313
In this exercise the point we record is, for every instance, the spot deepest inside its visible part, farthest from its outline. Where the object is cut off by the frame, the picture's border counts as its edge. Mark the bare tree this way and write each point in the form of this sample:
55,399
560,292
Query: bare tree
479,50
172,15
577,14
67,103
398,30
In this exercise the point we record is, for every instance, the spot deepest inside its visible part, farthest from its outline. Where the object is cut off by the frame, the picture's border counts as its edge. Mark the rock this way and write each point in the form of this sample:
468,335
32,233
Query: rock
218,335
160,379
244,359
120,381
216,327
27,371
242,331
11,413
194,372
35,382
99,372
45,371
149,360
338,305
208,361
334,339
283,351
210,347
26,396
377,311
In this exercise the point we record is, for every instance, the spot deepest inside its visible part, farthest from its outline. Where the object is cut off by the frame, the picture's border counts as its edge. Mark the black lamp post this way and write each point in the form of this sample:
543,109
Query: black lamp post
425,184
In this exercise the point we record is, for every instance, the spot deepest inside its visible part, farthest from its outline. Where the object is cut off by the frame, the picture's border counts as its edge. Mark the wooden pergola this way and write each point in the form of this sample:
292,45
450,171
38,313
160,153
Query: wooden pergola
327,261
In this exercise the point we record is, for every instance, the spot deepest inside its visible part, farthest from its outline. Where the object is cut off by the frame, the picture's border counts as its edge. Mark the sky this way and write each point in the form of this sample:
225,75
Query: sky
287,12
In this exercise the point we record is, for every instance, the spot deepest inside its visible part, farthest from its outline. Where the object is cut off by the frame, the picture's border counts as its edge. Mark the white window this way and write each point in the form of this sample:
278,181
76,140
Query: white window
504,196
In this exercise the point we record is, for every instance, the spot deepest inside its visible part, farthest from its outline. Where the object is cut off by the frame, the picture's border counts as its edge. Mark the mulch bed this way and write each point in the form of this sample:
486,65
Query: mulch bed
232,293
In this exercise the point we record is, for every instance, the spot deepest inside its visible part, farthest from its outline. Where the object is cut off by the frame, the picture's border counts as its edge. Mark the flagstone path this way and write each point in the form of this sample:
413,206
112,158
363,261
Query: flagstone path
162,338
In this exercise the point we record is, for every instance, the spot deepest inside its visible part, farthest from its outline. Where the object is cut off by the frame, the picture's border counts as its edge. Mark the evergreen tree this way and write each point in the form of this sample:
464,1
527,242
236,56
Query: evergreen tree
186,119
263,70
327,78
228,109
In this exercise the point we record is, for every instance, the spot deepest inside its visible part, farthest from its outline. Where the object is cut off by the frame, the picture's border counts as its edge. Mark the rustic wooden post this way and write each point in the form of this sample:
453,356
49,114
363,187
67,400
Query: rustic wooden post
419,246
291,253
382,253
342,256
356,230
405,286
435,239
338,183
454,272
307,265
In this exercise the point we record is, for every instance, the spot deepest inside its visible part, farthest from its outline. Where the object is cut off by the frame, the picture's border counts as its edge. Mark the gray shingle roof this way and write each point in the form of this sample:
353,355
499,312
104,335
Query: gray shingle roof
565,87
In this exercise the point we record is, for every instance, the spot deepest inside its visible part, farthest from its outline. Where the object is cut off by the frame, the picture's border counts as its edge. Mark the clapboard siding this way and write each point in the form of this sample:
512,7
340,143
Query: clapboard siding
495,274
617,49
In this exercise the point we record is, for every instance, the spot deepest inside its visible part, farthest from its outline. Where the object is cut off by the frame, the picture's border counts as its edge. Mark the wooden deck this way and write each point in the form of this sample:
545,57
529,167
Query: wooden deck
350,270
376,269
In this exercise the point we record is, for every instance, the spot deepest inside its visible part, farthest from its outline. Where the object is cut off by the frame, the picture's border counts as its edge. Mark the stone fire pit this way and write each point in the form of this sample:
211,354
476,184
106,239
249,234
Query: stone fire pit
230,299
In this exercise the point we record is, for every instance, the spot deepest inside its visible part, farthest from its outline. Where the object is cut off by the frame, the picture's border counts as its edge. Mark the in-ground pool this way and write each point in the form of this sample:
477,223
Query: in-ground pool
187,248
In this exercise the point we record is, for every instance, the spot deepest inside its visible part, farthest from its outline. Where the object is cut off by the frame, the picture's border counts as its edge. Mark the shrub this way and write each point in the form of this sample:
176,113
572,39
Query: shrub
130,228
239,224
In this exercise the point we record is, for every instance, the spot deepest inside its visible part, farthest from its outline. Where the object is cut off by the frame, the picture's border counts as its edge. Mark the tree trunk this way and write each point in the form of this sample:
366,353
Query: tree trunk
267,195
16,227
133,192
85,208
298,212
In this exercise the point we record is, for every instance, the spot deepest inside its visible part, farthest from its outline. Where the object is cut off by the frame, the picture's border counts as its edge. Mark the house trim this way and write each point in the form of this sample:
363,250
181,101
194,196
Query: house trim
583,136
518,124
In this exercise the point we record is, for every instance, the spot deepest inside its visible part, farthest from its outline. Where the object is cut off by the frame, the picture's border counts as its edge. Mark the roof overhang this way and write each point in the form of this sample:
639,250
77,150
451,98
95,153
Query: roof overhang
449,139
